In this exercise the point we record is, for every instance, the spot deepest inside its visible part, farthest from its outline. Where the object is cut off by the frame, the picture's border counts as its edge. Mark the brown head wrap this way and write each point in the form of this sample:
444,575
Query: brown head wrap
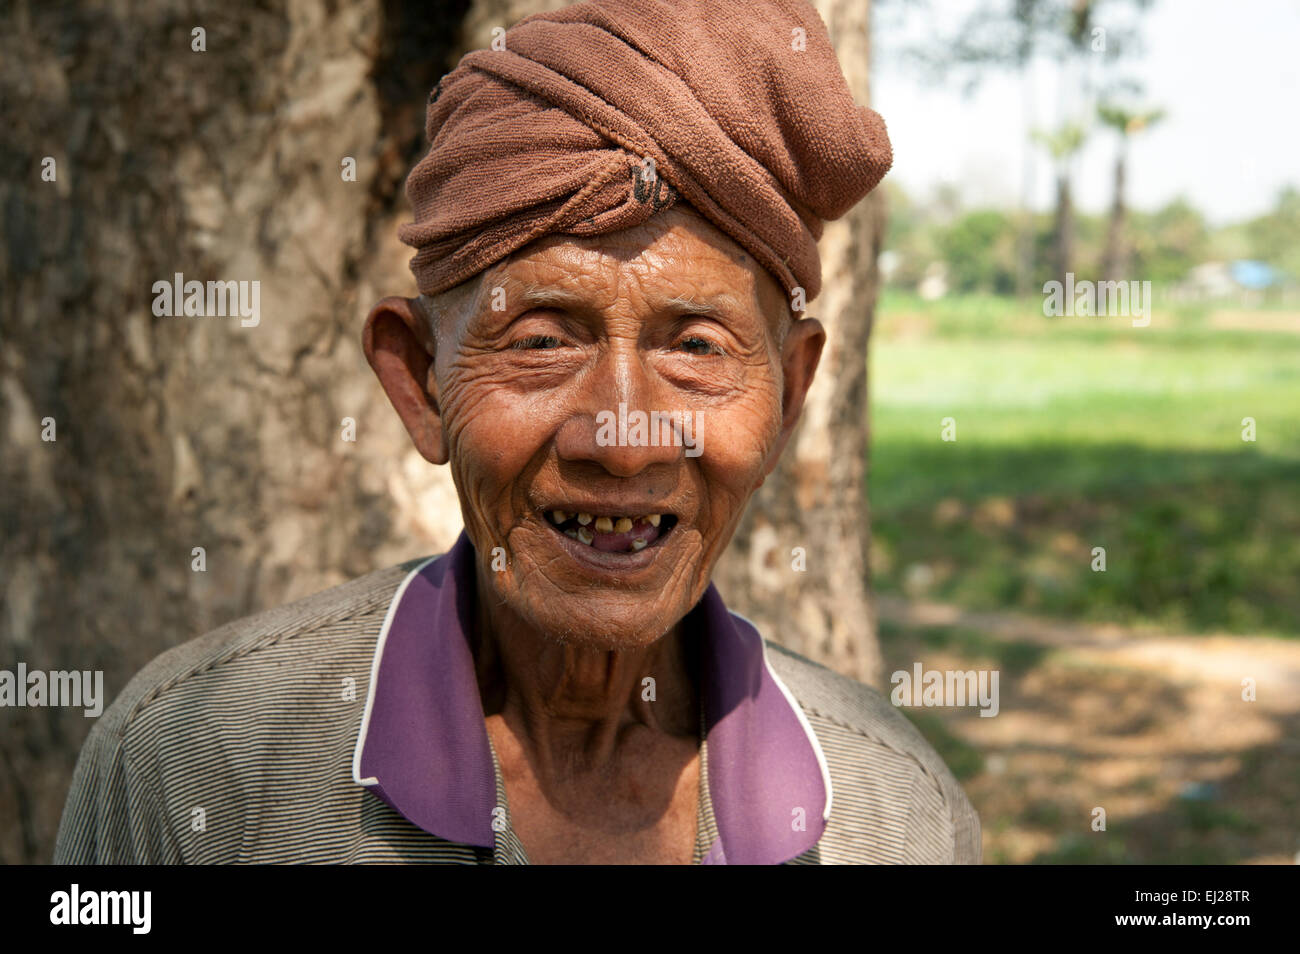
551,135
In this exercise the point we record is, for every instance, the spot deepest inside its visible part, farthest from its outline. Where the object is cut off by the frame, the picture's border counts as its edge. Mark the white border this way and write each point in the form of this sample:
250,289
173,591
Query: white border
374,674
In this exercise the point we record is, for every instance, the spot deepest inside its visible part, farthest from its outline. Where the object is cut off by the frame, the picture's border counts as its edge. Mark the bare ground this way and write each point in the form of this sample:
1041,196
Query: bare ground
1152,727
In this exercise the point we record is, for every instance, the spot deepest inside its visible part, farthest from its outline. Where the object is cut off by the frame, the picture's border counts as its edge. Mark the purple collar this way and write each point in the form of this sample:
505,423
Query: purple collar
423,746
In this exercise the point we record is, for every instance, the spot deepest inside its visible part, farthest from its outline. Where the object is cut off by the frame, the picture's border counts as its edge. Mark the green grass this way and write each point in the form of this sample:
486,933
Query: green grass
1014,657
1191,829
1084,432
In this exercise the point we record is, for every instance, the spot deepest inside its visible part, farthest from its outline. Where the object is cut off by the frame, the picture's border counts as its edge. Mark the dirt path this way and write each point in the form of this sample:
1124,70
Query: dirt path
1152,727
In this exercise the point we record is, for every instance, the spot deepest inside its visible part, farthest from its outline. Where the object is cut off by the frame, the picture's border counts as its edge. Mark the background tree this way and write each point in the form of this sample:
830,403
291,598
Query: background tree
1275,236
1062,145
1168,242
1127,122
1075,38
980,251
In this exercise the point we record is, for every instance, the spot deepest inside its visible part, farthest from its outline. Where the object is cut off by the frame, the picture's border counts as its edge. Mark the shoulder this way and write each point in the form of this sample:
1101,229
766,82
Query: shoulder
207,723
892,795
298,636
850,704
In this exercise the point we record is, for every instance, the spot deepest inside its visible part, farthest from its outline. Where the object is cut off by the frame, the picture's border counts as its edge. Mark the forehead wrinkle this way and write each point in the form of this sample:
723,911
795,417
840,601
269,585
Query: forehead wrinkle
570,291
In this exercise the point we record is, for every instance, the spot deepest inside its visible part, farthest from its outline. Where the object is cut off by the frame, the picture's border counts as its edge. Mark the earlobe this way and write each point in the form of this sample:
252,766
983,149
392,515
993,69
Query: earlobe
394,342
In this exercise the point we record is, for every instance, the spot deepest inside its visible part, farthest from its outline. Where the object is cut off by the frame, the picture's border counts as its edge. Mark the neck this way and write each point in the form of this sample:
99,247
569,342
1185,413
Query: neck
573,702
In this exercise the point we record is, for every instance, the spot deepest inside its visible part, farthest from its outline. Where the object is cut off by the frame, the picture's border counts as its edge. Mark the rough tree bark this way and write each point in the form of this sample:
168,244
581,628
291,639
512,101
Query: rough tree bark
176,433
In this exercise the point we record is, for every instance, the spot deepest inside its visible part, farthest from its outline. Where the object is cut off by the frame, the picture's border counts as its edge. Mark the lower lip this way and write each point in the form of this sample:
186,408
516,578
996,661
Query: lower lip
602,560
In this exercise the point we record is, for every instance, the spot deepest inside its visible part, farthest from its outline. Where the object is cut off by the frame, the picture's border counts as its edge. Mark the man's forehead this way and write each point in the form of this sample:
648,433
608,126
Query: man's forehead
658,253
670,263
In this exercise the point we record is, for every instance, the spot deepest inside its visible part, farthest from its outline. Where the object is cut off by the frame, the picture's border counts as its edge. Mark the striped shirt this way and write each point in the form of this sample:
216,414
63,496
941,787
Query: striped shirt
347,727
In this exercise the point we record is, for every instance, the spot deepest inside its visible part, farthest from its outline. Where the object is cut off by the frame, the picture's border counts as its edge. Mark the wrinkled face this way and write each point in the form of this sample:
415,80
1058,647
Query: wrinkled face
608,406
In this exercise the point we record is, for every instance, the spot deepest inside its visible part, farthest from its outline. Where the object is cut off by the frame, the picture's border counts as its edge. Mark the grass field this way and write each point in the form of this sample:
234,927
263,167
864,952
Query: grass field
1121,689
1075,433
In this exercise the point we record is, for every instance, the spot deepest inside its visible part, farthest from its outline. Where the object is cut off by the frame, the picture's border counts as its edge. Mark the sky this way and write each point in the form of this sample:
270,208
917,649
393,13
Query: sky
1225,72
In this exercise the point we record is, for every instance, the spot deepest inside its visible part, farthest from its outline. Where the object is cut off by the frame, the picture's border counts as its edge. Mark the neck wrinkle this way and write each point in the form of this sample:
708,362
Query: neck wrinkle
574,702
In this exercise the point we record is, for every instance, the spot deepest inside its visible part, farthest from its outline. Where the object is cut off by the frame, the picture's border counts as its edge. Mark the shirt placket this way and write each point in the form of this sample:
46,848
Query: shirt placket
506,846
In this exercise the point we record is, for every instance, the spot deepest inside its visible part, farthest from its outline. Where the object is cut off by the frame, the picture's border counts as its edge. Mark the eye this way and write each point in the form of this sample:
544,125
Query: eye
694,344
536,343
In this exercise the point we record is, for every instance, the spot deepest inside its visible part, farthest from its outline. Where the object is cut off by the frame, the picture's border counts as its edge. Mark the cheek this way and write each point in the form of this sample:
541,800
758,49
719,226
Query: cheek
736,440
493,437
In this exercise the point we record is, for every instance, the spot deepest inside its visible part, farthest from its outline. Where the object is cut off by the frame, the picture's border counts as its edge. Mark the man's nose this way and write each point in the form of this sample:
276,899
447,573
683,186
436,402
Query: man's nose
620,421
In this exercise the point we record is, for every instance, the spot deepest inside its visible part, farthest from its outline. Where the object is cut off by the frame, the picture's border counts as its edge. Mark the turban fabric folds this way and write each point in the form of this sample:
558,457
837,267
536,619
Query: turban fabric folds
595,116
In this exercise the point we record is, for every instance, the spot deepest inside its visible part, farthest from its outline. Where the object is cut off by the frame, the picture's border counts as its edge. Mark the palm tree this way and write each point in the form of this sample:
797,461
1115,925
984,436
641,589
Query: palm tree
1062,145
1127,123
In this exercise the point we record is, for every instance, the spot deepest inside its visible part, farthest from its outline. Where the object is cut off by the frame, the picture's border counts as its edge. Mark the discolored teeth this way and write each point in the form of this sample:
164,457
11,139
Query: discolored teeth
603,524
637,532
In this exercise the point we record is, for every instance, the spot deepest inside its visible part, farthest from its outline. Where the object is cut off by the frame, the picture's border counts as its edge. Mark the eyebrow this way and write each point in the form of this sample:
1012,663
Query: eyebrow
709,305
532,295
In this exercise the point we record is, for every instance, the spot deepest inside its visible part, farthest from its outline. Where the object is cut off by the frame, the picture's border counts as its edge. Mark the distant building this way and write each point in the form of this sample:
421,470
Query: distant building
1256,276
889,263
934,283
1244,281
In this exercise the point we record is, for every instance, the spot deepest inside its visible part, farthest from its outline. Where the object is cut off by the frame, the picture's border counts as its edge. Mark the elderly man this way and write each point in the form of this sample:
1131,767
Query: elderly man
614,223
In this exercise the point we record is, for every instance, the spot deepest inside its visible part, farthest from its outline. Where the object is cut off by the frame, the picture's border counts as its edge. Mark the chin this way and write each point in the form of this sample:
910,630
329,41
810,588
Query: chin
609,622
622,629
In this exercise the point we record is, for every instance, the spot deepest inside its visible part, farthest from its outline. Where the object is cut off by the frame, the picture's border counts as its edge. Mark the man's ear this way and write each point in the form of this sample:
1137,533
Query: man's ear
400,349
799,358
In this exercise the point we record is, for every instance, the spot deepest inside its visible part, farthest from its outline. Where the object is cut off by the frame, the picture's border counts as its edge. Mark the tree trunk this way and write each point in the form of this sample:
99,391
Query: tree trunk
1024,214
1115,259
178,433
813,510
1064,227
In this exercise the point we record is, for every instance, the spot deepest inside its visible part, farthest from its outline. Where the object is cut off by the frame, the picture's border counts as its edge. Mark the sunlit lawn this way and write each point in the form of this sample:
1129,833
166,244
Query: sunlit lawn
1075,433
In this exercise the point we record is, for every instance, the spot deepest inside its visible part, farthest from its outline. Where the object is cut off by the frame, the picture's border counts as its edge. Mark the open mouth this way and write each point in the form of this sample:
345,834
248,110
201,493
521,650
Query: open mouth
613,533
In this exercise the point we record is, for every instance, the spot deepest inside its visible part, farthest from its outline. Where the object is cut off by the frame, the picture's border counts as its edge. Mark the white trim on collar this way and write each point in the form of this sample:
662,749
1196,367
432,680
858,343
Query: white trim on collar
374,673
799,714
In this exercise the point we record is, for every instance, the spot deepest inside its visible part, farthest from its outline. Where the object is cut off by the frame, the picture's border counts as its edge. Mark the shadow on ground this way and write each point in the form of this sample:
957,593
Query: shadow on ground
1185,770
